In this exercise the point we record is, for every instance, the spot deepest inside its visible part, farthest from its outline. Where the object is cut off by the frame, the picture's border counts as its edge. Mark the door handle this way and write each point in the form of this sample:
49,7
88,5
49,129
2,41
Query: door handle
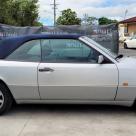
46,70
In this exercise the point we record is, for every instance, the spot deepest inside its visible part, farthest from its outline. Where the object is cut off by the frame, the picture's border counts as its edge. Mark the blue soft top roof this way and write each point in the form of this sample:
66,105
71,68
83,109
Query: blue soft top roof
8,45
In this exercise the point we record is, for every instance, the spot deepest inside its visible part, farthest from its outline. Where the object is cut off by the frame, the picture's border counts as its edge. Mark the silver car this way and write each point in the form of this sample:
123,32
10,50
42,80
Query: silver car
68,69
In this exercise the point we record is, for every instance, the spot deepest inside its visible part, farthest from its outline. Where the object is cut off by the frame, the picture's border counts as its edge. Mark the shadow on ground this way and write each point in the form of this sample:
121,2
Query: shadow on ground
73,109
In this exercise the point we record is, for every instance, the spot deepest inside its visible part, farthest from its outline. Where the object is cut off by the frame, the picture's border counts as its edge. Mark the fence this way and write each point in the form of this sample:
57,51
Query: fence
106,35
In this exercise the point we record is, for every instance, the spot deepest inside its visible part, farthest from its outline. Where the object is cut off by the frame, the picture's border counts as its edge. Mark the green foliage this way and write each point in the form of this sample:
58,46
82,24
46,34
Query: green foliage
19,12
106,21
3,10
38,24
68,17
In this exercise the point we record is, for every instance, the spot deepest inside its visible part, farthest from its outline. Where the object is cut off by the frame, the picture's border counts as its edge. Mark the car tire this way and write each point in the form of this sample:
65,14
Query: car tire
6,99
125,46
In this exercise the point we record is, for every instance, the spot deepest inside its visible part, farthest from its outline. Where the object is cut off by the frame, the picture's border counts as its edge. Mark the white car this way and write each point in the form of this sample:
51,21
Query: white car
68,69
130,43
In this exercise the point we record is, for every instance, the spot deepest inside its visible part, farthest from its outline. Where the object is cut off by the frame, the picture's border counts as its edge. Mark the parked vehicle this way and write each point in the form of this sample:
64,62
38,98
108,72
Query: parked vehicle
68,69
130,43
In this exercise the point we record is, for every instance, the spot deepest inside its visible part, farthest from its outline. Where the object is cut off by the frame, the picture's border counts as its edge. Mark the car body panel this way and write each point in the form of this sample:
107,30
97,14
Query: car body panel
78,81
21,78
127,70
121,103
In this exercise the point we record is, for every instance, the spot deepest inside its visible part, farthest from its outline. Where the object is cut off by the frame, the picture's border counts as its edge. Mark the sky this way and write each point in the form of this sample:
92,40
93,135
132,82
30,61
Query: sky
114,9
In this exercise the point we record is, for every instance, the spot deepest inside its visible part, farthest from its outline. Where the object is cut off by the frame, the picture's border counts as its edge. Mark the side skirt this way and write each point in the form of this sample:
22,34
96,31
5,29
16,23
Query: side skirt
120,103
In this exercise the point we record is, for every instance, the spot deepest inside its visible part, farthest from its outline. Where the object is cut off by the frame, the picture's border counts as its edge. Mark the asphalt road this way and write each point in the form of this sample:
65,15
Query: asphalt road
70,120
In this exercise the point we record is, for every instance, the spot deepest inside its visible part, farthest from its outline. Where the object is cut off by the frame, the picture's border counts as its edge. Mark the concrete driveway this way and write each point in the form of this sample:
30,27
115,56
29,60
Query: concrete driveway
68,120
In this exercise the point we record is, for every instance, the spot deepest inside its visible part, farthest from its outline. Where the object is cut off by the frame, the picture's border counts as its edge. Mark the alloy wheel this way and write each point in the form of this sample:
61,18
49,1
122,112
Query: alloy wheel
1,99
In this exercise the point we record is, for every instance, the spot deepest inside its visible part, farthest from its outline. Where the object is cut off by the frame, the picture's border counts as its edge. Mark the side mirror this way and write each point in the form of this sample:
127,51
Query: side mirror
100,59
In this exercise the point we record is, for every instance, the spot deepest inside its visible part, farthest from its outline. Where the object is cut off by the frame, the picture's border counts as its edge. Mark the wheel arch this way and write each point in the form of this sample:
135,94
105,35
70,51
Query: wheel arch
134,103
125,45
3,83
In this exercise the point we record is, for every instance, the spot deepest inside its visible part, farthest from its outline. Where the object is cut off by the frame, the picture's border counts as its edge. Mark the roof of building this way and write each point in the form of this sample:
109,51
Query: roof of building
129,20
8,45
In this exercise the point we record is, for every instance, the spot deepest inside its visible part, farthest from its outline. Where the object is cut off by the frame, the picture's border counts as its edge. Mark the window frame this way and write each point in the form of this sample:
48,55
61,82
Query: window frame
25,60
41,58
44,61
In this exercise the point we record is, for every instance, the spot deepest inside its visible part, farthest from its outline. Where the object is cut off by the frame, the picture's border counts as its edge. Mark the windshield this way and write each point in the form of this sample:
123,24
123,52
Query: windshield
107,51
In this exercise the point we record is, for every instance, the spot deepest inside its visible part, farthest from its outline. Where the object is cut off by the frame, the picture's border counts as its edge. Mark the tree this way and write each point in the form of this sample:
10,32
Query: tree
19,12
3,10
25,12
106,21
68,17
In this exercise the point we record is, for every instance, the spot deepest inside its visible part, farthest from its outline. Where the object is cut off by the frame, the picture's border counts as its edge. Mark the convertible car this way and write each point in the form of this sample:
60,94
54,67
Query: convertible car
68,69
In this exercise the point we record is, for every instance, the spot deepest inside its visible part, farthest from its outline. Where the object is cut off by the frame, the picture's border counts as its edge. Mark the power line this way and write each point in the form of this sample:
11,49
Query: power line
55,8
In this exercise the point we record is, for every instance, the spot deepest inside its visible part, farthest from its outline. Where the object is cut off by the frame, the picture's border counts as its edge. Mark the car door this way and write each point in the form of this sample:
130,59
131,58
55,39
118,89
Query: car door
69,71
21,70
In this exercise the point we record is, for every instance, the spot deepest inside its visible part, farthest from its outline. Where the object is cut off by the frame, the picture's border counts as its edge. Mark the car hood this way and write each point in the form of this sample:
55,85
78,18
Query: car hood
128,61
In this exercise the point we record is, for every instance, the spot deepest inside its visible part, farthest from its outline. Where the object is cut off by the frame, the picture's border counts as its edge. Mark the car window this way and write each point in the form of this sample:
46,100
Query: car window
29,51
67,51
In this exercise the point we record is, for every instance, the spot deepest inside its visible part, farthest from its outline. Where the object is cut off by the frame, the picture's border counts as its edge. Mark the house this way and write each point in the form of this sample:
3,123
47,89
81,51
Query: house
127,26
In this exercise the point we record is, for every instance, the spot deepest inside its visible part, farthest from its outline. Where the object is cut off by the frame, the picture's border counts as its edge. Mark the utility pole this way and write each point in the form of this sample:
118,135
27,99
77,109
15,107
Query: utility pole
85,18
54,8
126,11
86,24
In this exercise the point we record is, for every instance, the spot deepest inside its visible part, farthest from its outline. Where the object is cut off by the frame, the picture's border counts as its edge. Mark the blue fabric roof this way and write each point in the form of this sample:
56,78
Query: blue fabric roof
8,45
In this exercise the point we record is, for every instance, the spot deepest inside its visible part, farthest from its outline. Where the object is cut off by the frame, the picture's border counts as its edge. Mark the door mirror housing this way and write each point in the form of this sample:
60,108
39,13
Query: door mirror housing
100,59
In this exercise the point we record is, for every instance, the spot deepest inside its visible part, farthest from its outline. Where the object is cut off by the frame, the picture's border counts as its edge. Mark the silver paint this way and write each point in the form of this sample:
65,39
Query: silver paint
78,81
21,78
